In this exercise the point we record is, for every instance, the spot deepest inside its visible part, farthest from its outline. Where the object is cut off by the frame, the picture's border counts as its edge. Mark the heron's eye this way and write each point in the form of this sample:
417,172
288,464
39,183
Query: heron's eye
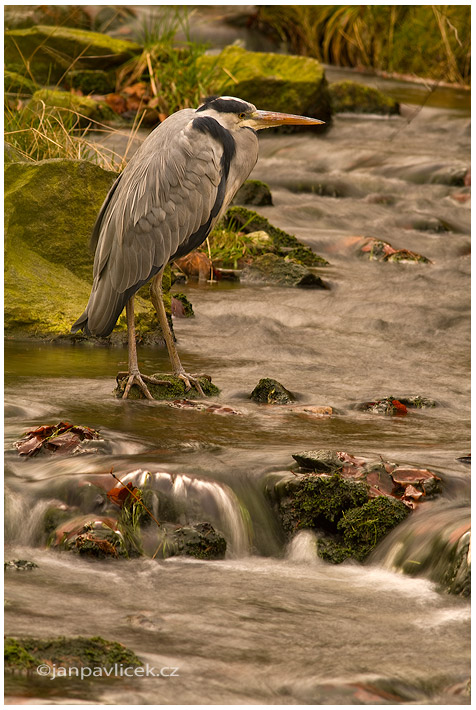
242,115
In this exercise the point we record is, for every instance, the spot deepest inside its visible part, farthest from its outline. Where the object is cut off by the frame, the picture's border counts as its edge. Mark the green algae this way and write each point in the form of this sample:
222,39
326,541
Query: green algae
64,103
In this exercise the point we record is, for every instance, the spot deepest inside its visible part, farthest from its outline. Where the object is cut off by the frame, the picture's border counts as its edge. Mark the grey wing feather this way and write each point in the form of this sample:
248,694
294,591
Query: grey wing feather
154,206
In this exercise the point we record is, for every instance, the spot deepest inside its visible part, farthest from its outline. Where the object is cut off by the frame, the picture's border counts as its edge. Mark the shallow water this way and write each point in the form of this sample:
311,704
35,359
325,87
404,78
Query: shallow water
269,625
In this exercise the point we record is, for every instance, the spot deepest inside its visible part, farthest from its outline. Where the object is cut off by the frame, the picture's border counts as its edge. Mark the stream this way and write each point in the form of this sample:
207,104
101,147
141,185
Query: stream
272,623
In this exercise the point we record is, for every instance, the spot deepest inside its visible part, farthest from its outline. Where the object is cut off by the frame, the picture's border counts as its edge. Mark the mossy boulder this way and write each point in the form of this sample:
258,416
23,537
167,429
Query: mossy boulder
352,97
283,244
275,82
68,105
253,192
269,391
16,83
50,210
90,81
171,387
16,16
276,270
29,653
52,51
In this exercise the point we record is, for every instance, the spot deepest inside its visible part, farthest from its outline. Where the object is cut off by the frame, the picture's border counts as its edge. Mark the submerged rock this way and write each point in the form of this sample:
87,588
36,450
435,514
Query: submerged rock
284,244
269,391
352,97
274,269
396,405
29,653
171,387
277,82
51,51
200,541
253,192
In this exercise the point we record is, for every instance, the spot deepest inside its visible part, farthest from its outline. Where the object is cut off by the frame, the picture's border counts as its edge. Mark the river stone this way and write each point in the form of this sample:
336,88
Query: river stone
352,97
275,82
274,269
52,51
253,192
269,391
19,565
90,81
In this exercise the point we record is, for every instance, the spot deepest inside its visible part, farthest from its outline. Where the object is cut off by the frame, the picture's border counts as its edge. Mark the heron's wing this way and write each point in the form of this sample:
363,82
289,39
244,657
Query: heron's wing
165,194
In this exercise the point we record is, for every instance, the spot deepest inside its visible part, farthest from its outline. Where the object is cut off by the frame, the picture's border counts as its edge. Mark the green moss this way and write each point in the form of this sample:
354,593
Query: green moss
202,542
51,51
320,501
362,528
64,102
277,82
90,81
27,653
333,551
269,391
350,97
18,84
174,389
249,221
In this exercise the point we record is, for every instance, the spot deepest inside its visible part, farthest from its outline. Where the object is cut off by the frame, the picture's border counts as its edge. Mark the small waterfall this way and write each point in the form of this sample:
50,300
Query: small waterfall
24,524
191,500
434,542
302,548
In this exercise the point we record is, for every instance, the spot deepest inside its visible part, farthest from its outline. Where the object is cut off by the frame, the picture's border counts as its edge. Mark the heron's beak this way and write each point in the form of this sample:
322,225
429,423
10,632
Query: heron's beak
268,119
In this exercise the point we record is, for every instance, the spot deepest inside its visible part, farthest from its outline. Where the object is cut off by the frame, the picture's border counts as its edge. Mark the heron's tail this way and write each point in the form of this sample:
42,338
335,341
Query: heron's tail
104,308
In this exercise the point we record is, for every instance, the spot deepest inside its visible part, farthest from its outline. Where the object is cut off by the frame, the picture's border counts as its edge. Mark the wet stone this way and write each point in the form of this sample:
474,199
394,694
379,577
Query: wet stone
201,541
269,391
323,460
253,192
274,269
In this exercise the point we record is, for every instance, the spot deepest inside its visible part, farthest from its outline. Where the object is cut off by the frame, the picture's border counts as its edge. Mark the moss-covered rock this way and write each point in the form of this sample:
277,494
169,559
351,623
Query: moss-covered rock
90,81
284,244
269,391
64,102
352,97
274,269
172,388
17,16
52,51
363,527
50,210
253,192
276,82
16,83
26,653
181,306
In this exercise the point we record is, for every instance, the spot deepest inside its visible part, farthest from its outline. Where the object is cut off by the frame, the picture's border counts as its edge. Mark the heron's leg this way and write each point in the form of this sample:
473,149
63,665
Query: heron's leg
177,368
135,377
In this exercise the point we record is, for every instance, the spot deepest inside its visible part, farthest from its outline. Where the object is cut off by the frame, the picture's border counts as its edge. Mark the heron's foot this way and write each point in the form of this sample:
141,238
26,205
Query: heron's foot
135,378
192,381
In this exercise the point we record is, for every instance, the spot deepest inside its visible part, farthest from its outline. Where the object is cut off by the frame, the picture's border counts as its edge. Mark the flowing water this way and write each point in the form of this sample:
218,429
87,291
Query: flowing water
272,624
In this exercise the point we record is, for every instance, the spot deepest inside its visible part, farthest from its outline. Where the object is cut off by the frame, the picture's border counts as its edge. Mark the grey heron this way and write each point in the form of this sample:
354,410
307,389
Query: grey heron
163,206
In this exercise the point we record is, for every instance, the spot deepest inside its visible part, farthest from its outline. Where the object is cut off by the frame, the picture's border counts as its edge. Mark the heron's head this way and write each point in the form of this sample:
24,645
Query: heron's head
235,113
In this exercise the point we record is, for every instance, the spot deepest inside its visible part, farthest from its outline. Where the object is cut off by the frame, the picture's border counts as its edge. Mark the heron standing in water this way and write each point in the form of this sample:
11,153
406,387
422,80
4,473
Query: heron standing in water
163,206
